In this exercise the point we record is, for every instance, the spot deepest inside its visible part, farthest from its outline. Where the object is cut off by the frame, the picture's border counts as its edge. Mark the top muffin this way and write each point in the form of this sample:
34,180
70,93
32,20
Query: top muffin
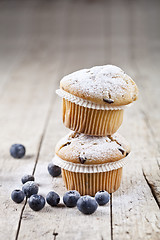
105,85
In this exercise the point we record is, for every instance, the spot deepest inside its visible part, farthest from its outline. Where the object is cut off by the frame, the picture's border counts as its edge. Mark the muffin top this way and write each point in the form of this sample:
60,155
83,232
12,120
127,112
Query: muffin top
106,85
85,149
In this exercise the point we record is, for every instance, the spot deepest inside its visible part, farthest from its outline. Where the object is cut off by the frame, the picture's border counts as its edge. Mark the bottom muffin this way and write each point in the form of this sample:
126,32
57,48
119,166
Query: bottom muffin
90,164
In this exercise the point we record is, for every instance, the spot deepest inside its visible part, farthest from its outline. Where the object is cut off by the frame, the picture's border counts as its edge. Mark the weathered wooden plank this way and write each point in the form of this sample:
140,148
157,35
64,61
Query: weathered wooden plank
134,206
121,34
151,173
25,127
149,71
135,213
25,102
68,223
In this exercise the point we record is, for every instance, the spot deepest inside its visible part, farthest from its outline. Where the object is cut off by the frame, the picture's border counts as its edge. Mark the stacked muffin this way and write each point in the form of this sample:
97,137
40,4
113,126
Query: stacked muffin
92,155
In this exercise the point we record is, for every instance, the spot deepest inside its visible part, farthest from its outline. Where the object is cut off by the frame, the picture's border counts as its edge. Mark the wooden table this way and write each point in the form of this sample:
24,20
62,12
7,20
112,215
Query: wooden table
40,42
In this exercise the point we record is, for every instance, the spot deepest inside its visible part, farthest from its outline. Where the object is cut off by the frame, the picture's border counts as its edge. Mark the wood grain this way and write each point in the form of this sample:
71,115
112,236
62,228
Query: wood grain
40,42
64,219
135,197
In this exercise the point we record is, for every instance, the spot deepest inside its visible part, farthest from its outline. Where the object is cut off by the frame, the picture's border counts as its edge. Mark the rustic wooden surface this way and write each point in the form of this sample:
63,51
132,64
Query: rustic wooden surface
41,41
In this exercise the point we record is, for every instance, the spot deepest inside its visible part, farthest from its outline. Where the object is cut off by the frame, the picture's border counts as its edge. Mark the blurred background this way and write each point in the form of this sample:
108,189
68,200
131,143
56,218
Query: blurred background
72,34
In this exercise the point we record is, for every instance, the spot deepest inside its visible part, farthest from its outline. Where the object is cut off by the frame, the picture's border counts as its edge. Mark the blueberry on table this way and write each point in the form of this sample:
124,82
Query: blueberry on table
54,170
70,198
36,202
102,197
87,204
30,188
17,196
27,178
52,199
17,150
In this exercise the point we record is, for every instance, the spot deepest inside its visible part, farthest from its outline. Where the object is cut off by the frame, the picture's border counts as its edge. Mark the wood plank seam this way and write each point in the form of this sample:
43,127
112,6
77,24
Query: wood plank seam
158,163
152,188
20,218
151,184
23,208
134,63
146,117
111,220
55,234
36,161
149,126
38,152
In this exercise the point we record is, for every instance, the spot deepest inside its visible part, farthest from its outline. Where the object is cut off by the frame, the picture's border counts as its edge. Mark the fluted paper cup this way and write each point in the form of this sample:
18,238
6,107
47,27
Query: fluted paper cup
89,179
89,118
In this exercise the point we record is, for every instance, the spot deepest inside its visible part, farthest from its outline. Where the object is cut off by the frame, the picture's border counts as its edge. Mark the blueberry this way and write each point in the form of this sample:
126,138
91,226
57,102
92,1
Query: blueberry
102,197
17,196
87,204
52,198
36,202
54,170
17,150
70,198
30,188
27,178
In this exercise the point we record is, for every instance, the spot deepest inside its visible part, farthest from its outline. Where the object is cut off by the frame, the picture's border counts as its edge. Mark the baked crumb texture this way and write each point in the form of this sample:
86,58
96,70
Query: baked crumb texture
107,85
85,149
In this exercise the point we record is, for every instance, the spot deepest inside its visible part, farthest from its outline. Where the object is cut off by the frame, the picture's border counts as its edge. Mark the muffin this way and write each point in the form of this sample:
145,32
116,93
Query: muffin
94,99
90,163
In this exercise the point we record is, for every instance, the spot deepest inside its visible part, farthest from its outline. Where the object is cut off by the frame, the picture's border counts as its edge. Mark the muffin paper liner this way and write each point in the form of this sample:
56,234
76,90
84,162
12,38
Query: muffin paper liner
94,168
90,183
95,122
85,103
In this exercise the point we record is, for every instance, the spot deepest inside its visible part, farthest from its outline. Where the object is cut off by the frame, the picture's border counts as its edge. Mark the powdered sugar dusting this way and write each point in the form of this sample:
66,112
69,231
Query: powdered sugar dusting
92,148
106,81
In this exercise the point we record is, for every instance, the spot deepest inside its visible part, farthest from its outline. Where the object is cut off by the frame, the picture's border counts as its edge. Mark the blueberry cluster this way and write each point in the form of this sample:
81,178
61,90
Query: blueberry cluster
30,188
85,204
30,191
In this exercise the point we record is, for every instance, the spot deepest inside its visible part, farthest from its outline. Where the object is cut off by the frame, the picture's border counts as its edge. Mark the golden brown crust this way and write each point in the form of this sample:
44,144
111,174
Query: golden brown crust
106,85
84,149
